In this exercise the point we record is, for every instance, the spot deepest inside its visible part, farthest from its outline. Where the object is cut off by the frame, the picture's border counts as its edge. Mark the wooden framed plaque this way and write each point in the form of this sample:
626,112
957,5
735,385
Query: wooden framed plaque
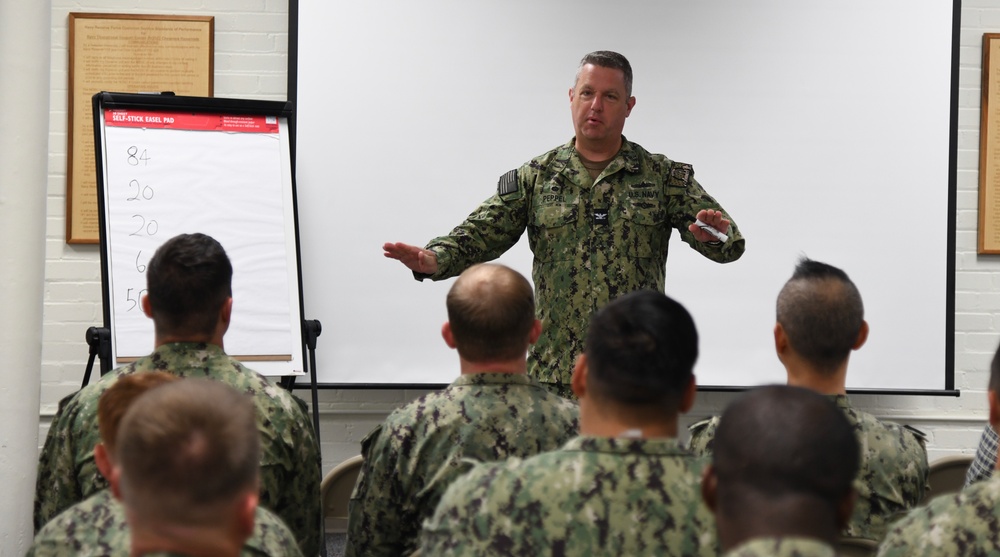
124,53
989,148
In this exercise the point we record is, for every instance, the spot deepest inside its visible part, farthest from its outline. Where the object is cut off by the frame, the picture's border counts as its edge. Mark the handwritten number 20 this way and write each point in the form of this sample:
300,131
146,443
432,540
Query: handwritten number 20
145,191
150,228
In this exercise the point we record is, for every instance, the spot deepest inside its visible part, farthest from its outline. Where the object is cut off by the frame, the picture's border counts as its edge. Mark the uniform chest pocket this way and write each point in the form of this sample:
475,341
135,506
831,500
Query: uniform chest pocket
553,232
642,229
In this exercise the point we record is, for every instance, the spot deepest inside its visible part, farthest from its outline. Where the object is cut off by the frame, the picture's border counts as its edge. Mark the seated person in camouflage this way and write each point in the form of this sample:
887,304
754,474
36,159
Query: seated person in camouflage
624,486
96,526
187,469
782,492
189,298
820,321
954,525
492,412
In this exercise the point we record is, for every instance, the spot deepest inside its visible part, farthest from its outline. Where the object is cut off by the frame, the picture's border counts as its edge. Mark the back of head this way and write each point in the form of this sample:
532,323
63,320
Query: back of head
188,451
115,401
188,280
608,59
821,312
491,309
641,349
777,444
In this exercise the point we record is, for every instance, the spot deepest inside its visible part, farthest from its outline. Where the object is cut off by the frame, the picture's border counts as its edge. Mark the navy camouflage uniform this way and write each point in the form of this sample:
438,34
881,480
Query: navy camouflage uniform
952,525
595,496
422,447
96,527
593,240
290,470
892,477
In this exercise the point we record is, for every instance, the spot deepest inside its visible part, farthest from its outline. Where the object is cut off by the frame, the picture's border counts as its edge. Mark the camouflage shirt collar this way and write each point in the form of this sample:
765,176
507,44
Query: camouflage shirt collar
494,379
661,446
627,158
784,547
841,401
186,349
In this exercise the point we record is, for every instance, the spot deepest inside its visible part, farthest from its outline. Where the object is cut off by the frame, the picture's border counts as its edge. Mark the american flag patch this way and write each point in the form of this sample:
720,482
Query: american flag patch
507,183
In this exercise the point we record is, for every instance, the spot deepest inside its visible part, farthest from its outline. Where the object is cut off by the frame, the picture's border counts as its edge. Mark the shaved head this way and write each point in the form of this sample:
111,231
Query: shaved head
491,309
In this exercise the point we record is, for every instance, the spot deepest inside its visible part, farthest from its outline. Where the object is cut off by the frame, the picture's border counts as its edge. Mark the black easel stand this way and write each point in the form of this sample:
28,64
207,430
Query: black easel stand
99,340
312,329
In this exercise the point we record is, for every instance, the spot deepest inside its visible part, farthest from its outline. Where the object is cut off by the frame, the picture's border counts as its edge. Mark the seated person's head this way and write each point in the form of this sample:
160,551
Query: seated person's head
491,314
820,313
189,285
639,358
784,464
113,404
188,456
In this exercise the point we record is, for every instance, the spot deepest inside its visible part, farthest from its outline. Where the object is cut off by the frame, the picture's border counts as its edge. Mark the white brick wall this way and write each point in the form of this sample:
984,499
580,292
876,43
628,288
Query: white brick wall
250,62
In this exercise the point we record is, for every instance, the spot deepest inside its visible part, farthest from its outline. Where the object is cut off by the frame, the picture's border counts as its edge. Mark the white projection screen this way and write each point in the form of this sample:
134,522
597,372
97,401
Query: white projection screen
826,128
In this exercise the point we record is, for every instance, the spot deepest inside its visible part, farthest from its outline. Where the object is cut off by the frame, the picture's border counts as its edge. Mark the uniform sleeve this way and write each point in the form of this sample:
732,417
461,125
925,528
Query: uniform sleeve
495,226
703,436
687,197
291,473
56,486
376,521
986,457
460,526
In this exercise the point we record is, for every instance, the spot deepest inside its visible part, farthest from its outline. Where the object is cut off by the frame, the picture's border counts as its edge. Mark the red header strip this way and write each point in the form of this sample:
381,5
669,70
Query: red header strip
190,121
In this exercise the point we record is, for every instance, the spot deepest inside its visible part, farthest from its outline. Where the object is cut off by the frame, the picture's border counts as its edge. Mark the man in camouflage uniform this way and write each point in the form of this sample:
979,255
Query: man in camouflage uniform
820,320
624,486
954,525
492,412
96,526
190,301
599,212
784,492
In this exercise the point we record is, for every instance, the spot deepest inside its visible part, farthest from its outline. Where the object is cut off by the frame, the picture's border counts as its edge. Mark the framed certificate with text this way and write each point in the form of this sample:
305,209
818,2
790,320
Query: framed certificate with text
989,148
131,53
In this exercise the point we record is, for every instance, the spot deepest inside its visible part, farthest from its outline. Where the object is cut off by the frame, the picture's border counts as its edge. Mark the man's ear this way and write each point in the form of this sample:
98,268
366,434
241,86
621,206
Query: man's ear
226,314
629,104
845,508
103,460
687,399
115,482
245,513
579,380
780,340
447,335
147,307
709,485
862,336
536,331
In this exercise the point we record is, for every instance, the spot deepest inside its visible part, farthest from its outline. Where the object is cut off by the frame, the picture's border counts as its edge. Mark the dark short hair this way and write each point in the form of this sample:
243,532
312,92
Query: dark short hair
778,441
491,309
641,349
608,59
821,311
188,449
188,280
